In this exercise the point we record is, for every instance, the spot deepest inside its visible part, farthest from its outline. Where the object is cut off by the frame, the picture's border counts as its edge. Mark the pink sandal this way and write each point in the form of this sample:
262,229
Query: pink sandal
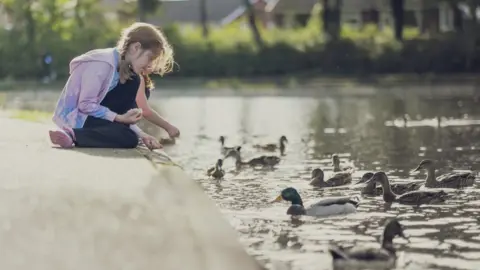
61,138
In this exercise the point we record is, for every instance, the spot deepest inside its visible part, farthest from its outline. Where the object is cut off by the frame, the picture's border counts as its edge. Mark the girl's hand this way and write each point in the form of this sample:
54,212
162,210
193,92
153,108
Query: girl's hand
130,117
172,131
150,141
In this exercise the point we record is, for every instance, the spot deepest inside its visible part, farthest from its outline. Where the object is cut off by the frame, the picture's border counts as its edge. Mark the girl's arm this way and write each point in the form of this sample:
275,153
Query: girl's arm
148,113
93,74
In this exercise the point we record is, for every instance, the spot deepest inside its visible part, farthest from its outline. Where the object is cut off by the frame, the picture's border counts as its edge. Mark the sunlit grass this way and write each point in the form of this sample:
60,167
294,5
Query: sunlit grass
31,115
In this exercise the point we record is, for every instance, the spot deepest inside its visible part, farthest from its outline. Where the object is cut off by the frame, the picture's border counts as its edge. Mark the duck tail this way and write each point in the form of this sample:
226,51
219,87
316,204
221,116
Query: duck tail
337,253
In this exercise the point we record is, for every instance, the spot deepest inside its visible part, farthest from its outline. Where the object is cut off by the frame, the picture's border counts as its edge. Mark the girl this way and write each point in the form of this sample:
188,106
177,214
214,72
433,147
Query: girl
146,86
97,106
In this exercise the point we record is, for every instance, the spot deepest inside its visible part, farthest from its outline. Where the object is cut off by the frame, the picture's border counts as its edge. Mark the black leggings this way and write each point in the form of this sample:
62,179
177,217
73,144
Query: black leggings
101,133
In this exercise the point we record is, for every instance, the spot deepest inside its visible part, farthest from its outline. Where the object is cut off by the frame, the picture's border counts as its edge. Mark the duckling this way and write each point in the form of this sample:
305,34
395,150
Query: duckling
449,180
325,207
224,149
338,179
365,256
336,164
273,147
258,161
216,172
417,197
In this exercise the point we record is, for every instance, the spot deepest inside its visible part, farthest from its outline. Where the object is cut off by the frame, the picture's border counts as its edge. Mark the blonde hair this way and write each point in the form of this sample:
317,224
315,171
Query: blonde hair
150,38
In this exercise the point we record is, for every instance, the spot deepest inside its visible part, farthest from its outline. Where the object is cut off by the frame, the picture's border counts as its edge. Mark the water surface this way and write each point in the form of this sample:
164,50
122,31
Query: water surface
378,132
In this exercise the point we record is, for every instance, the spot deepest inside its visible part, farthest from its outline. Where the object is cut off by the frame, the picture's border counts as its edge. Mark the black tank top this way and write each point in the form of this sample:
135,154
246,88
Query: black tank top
122,97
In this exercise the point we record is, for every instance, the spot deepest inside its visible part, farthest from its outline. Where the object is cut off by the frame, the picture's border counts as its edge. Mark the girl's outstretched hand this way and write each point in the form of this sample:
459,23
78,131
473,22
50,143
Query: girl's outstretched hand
172,131
150,141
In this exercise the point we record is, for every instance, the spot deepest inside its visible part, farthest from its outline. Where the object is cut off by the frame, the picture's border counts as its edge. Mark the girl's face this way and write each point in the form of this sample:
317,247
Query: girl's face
140,59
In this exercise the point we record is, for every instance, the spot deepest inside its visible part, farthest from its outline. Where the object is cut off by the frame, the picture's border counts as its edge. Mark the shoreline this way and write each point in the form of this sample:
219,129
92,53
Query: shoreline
280,82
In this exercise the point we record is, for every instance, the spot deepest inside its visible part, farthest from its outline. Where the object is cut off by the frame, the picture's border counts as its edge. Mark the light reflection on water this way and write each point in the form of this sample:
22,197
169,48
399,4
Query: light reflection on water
375,133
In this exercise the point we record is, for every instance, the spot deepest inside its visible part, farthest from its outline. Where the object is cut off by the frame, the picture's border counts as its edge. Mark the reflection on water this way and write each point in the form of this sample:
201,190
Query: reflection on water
381,132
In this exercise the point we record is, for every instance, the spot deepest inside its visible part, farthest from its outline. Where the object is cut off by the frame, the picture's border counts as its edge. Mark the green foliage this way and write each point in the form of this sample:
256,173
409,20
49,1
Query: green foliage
68,28
63,27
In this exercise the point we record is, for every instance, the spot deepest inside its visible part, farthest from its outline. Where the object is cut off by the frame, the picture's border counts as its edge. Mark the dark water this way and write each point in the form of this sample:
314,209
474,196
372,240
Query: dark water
380,132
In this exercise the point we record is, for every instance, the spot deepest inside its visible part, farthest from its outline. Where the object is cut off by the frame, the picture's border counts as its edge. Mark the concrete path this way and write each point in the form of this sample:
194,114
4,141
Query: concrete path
104,210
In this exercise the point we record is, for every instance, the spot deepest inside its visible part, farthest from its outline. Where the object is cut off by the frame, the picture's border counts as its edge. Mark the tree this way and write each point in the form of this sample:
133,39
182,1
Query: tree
331,16
398,11
145,8
204,17
252,23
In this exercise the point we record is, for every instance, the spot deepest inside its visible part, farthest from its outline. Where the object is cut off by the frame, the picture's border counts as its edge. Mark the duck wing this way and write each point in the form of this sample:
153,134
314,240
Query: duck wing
401,188
210,171
360,254
419,197
217,174
339,179
456,179
336,200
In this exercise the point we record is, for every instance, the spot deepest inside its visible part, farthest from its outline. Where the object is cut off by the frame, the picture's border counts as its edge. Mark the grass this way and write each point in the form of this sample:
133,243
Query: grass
30,115
294,81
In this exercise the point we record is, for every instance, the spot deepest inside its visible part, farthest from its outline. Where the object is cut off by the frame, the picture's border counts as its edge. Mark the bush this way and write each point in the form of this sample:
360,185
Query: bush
230,51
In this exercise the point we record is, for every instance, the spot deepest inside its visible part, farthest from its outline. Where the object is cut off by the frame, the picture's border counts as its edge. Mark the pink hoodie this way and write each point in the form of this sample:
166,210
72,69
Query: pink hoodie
90,77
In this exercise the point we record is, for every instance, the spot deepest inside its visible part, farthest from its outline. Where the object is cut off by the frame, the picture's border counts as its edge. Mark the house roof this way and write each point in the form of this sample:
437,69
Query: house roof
239,11
188,11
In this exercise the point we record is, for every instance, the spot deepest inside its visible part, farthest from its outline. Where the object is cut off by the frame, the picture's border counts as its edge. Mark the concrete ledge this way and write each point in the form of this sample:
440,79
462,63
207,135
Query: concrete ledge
104,209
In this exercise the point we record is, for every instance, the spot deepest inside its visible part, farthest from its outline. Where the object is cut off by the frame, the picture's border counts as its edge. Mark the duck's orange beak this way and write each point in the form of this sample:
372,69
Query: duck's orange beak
278,199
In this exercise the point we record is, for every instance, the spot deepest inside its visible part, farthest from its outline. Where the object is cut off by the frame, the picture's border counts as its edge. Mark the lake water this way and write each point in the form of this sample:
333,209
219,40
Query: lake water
377,132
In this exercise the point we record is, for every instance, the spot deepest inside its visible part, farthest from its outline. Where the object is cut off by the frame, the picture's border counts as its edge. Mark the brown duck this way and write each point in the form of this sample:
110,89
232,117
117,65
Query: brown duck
417,197
449,180
273,147
266,161
216,172
371,188
338,179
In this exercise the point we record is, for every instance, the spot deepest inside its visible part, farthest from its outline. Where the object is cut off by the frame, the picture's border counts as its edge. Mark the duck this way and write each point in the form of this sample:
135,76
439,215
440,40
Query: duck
398,188
336,164
325,207
338,179
224,149
416,198
273,147
449,180
265,161
372,189
385,255
216,172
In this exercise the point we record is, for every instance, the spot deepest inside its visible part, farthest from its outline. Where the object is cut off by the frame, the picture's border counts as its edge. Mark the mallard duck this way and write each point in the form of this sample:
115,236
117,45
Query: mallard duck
417,197
224,149
449,180
325,207
371,188
258,161
338,179
365,177
216,172
366,256
273,146
336,164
